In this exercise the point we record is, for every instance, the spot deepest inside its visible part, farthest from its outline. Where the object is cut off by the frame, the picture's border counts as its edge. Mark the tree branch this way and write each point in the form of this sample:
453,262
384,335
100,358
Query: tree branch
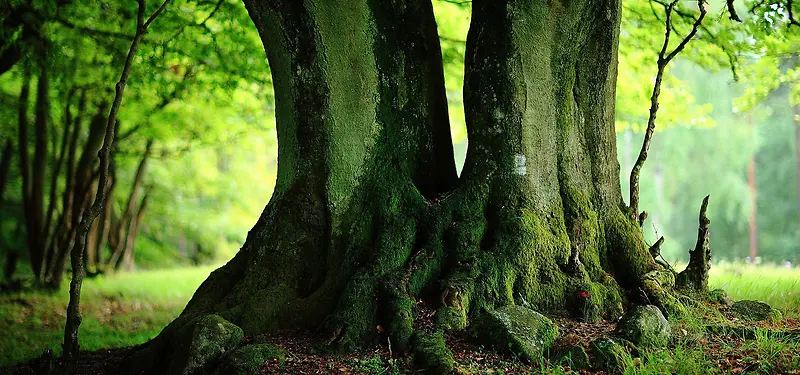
664,59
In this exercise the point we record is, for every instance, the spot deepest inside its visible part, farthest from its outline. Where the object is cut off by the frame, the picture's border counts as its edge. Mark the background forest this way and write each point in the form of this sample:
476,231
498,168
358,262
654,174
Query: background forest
195,159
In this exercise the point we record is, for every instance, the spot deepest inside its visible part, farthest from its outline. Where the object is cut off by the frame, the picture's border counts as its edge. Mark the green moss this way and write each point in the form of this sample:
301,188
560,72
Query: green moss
645,326
626,255
755,311
609,354
202,341
431,353
249,359
577,358
519,330
401,324
720,296
451,318
664,278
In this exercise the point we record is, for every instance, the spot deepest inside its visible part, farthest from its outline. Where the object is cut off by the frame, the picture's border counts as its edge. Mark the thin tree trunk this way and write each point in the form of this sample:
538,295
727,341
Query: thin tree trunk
38,179
47,231
133,234
5,163
123,230
36,255
70,346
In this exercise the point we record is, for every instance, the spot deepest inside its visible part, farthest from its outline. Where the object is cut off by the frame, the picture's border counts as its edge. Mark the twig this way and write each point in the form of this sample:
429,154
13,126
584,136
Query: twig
664,59
71,346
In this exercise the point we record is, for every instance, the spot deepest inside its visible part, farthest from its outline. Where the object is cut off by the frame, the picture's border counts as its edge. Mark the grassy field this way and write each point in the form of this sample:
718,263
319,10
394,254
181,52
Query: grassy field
127,309
119,310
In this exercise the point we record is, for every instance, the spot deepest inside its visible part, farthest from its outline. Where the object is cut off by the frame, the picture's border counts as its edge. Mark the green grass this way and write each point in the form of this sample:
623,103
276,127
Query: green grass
130,308
775,285
118,310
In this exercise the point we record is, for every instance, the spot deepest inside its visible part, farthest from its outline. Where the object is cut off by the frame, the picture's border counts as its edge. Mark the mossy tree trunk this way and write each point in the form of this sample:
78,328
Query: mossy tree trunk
368,215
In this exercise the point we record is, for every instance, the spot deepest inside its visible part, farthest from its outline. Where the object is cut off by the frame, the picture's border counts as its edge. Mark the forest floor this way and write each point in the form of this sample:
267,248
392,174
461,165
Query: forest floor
127,309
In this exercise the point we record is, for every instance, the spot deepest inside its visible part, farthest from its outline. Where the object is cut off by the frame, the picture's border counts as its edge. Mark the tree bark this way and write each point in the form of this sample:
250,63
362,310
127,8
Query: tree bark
368,215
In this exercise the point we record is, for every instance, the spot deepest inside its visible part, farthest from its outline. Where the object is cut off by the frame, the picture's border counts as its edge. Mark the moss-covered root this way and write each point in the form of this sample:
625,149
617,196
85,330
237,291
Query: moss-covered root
431,353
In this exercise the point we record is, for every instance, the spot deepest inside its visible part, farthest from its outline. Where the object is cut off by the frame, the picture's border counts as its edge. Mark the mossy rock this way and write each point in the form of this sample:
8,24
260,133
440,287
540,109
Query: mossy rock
201,342
755,311
609,354
431,353
450,318
720,296
249,359
645,326
577,358
519,330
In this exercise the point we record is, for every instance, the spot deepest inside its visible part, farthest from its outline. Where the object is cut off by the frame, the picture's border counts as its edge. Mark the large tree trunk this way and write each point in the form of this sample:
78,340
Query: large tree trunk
368,215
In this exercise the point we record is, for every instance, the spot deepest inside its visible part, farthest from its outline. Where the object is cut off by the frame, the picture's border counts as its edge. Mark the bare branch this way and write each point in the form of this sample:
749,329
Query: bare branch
664,59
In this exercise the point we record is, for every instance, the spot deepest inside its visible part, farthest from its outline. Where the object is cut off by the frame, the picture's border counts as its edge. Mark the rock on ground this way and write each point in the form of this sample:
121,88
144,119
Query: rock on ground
645,326
201,342
754,311
520,330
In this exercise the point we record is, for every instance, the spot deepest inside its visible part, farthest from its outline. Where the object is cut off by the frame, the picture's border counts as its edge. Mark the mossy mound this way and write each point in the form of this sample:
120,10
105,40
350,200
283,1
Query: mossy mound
720,296
520,330
202,341
609,354
431,353
577,358
249,359
754,311
644,326
451,318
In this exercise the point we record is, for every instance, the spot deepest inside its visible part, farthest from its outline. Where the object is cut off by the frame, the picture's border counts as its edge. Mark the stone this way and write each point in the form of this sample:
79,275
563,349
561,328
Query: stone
755,311
609,354
202,341
249,359
519,330
645,326
577,358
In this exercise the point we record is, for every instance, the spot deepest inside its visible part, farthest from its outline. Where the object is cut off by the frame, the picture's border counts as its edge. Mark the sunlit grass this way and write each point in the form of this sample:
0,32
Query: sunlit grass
119,310
776,285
